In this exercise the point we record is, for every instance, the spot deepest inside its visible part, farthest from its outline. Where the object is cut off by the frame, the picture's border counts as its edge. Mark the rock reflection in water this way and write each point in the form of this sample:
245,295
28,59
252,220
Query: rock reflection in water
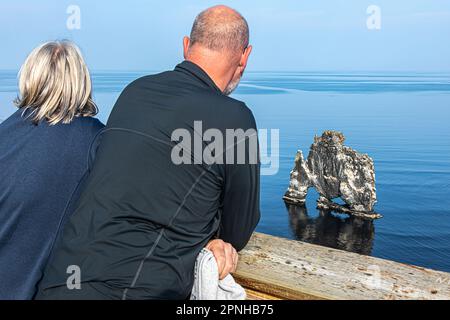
349,234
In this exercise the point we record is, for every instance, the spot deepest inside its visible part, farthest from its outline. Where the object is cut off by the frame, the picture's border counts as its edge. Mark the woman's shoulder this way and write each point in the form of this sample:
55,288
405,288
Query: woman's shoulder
82,132
88,124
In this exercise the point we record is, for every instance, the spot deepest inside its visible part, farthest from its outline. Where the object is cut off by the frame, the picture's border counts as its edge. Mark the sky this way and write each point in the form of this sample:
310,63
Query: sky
287,35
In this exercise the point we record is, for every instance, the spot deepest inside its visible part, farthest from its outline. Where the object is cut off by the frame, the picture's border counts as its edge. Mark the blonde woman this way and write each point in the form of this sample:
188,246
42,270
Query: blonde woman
44,149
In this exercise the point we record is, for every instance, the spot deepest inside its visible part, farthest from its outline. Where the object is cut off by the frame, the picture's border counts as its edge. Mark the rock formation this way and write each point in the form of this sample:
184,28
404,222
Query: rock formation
335,171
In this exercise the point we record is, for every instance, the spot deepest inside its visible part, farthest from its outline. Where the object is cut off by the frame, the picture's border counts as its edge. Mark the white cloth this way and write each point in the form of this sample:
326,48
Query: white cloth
207,285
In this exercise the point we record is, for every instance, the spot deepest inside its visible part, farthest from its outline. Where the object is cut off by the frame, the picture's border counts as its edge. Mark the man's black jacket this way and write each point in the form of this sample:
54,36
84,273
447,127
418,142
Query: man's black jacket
141,219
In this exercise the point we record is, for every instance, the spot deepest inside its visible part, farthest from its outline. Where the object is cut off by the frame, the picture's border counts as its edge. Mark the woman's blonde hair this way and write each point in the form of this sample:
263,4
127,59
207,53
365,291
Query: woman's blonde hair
55,84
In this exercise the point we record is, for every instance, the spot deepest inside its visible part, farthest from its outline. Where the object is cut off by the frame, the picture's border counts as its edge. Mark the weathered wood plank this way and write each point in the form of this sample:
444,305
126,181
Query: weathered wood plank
256,295
272,267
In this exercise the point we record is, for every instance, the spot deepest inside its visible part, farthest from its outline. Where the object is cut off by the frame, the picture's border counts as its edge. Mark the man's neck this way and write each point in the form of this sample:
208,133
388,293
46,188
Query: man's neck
215,67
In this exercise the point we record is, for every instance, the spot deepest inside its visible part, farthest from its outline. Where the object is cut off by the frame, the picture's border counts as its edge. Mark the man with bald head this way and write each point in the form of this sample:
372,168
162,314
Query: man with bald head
219,44
154,199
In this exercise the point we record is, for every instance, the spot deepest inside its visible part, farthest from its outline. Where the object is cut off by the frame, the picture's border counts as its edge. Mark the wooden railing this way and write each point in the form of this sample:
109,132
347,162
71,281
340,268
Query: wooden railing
275,268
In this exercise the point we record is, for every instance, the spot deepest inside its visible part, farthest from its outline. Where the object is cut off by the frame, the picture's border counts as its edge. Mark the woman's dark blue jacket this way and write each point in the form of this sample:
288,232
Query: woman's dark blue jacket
40,169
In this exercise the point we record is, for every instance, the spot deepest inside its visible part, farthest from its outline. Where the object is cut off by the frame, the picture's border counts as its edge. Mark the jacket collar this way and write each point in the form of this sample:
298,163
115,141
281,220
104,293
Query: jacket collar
199,73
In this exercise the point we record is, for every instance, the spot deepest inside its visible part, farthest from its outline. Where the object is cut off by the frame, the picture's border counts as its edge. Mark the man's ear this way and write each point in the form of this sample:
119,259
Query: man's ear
244,58
186,42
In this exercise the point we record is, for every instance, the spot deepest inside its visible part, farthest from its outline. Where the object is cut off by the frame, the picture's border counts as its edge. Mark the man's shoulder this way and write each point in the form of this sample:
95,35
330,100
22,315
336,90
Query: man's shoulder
238,112
222,110
194,100
148,79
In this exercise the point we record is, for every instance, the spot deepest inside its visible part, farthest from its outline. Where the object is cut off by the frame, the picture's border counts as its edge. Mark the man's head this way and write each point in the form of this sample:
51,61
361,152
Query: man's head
219,43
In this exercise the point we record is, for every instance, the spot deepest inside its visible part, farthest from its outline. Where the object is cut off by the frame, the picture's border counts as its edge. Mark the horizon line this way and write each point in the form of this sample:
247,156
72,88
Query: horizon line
93,71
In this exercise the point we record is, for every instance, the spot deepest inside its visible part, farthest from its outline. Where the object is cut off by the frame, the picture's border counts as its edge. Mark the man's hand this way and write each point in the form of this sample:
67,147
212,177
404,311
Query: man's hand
226,257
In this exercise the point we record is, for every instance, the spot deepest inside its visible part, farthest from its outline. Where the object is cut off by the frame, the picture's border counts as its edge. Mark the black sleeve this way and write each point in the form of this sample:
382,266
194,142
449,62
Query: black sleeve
241,206
241,212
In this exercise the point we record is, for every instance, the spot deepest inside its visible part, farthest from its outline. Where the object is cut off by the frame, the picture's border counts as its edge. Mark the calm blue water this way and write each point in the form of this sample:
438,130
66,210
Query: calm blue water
401,120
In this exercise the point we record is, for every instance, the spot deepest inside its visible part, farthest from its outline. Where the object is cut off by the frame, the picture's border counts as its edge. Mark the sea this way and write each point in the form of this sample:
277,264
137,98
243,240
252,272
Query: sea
401,120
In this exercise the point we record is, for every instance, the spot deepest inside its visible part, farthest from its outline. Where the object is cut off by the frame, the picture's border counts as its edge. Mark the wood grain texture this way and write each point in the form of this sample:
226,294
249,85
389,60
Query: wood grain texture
275,268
